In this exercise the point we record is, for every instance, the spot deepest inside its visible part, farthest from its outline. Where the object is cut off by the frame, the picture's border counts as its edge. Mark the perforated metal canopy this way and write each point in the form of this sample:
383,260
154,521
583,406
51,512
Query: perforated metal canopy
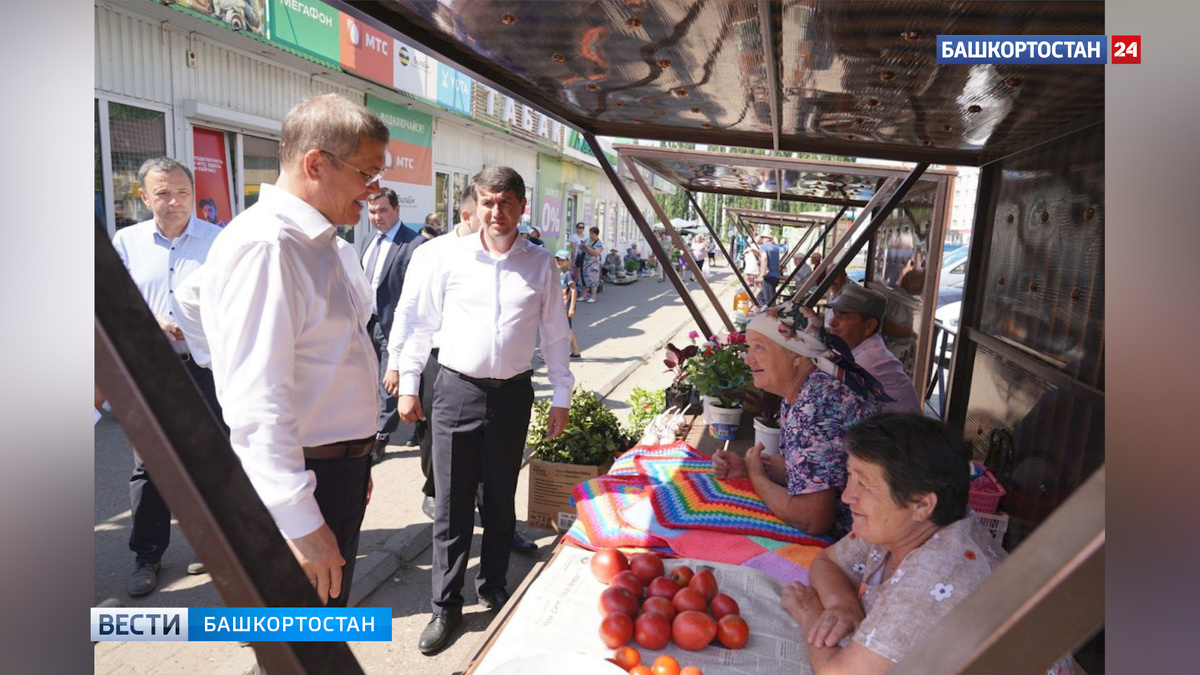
848,78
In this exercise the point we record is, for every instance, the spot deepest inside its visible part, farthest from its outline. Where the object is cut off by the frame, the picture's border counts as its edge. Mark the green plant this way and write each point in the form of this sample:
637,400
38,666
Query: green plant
593,434
631,266
719,371
644,405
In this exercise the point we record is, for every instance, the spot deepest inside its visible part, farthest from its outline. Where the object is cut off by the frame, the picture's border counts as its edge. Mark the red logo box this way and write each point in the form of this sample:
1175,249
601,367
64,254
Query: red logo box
1127,49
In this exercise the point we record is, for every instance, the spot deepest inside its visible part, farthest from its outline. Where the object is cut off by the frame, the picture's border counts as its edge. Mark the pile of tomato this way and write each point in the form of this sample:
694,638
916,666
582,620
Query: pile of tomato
683,606
629,659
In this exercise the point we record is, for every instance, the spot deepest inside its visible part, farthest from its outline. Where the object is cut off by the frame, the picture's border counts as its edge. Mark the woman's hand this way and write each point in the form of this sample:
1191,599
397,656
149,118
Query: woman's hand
833,624
727,465
754,461
775,466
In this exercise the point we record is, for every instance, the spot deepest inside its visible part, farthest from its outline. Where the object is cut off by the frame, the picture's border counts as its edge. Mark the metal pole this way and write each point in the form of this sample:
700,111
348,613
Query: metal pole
687,254
648,233
724,252
814,247
861,241
196,470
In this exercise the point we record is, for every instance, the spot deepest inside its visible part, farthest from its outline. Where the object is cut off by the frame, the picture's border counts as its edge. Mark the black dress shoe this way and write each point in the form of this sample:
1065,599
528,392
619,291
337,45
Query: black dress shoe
143,580
378,449
429,506
494,599
522,545
438,632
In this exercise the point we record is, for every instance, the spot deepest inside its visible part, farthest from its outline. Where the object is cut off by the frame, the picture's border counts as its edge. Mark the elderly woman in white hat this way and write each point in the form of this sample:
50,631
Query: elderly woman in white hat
824,393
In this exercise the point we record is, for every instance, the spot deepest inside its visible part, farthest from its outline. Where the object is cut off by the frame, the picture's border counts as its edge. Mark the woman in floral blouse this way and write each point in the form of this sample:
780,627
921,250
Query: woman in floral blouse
915,552
824,393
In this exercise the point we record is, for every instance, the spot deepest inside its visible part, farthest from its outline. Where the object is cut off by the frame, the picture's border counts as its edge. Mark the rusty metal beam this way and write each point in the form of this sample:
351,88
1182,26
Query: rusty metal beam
721,245
196,470
1045,599
686,253
648,232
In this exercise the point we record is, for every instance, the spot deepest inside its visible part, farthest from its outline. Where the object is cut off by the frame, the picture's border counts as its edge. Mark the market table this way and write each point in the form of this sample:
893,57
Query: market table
695,433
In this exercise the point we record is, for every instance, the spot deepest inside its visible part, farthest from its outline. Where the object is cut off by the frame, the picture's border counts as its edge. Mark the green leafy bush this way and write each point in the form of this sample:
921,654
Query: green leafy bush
593,434
718,370
644,405
631,266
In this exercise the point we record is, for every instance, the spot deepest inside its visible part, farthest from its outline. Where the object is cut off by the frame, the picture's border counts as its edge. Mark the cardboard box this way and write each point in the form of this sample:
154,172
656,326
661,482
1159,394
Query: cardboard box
550,484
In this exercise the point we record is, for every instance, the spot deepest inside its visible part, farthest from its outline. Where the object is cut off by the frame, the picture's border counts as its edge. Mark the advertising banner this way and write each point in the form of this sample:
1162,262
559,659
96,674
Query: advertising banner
365,51
453,89
413,71
308,25
212,176
550,197
247,15
408,165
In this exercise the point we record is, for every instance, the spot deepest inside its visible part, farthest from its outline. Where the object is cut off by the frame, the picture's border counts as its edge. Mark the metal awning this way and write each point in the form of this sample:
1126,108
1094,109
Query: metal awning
782,218
842,78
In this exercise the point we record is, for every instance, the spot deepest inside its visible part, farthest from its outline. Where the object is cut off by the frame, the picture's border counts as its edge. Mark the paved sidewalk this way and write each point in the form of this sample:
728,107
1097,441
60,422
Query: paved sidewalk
621,338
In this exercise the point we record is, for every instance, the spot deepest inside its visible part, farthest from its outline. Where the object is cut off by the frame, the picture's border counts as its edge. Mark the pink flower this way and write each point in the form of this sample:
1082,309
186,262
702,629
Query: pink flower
693,335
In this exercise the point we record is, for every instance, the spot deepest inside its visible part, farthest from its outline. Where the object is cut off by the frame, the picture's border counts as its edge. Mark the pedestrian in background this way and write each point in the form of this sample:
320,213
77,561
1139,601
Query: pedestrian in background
592,248
570,294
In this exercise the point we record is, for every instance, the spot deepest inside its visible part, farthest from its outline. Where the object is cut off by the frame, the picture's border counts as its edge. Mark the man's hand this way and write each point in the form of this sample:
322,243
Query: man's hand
391,382
409,408
556,422
727,465
173,332
317,552
370,488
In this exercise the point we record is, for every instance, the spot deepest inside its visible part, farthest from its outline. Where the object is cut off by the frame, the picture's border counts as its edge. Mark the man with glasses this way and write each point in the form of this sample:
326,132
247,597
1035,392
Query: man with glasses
285,326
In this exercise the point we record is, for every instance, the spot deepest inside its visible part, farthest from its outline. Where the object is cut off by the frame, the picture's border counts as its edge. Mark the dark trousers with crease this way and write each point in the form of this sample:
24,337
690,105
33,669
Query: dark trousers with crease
478,435
341,495
389,419
150,532
423,432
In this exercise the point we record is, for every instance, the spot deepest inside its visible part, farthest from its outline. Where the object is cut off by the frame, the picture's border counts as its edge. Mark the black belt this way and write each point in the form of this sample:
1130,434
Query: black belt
342,450
489,382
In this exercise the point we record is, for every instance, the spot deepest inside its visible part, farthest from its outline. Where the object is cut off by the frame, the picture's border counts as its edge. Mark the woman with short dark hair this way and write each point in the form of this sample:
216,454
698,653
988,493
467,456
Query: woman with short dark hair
914,553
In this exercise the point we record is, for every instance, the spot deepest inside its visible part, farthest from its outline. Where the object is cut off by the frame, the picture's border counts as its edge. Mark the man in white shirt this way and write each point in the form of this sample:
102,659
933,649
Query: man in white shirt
487,297
285,326
857,316
386,261
160,254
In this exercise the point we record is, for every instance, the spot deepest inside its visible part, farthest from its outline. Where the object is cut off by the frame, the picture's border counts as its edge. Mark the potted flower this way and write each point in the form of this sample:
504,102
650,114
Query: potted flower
679,393
719,372
766,422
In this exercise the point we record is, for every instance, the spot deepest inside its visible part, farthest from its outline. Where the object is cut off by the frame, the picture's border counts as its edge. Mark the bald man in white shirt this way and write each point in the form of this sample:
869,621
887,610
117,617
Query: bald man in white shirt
285,328
487,297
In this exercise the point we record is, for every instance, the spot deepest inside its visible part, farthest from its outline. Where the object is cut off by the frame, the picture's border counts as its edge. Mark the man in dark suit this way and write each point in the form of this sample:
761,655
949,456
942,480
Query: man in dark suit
385,262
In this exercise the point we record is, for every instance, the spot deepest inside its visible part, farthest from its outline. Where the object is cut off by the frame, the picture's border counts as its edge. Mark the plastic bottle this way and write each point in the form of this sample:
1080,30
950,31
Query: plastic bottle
741,302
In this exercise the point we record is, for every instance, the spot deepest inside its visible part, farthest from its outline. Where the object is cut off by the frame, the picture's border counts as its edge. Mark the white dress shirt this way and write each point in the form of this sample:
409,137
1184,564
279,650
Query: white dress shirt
419,268
159,265
875,358
385,245
286,329
489,310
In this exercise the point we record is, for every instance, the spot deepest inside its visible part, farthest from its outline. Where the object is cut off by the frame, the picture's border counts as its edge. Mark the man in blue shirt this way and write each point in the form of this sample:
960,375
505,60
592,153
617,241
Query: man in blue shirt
159,254
770,279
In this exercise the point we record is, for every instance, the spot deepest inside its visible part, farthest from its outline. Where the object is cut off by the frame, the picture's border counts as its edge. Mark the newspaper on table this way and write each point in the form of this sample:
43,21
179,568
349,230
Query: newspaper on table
558,615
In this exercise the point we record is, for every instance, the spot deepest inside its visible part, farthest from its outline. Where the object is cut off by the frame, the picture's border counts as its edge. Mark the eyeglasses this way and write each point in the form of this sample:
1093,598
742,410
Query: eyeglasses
371,178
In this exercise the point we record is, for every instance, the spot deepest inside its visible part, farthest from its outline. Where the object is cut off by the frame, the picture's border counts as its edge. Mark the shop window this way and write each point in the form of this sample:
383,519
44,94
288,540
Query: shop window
135,135
260,164
448,186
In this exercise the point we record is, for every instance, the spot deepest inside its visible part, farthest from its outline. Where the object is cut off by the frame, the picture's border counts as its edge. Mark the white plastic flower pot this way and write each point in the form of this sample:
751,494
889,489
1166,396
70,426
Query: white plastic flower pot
722,422
768,436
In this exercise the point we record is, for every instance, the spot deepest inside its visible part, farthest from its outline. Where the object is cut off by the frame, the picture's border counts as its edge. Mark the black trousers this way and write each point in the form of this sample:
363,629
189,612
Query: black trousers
478,434
424,436
150,532
767,294
389,418
341,495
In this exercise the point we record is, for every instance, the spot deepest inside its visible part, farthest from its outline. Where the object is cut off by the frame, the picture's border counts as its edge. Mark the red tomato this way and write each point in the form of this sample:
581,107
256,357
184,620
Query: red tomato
732,631
662,587
661,605
706,583
723,604
628,580
616,629
693,630
618,599
690,670
652,630
666,665
689,598
607,562
647,566
682,575
641,670
627,657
